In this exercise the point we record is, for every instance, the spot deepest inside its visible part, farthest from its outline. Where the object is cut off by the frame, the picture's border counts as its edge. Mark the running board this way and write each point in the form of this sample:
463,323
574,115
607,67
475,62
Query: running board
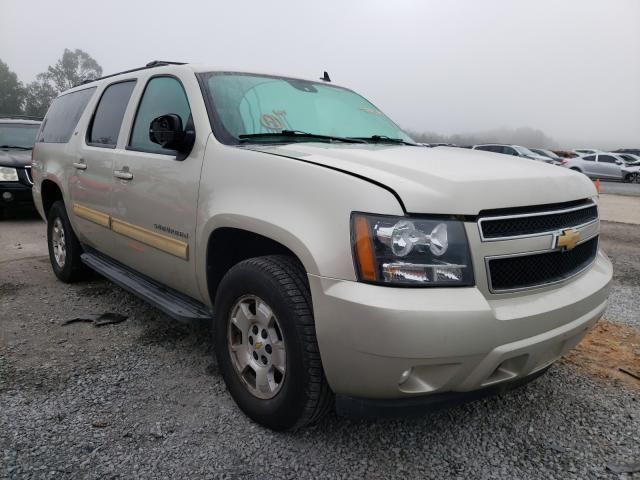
174,304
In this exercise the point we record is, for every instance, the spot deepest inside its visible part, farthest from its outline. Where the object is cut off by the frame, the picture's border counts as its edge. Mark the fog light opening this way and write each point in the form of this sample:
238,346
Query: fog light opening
405,376
7,196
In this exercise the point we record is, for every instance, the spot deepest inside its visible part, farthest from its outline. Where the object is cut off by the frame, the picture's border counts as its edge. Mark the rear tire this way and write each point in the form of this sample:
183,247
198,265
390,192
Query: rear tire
296,394
64,247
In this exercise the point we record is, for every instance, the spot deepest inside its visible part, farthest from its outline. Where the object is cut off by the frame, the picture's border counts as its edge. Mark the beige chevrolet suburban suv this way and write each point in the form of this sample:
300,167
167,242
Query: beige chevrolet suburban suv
338,262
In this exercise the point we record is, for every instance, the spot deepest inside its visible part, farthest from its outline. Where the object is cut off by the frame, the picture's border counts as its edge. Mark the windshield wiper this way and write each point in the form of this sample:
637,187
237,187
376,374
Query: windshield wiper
17,147
296,134
384,139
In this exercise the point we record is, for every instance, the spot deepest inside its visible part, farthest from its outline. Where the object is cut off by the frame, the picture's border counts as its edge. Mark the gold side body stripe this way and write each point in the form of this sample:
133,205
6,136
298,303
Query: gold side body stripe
161,242
92,215
169,245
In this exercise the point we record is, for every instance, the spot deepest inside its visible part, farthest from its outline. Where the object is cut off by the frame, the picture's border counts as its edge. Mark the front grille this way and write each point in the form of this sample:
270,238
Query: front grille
532,270
537,223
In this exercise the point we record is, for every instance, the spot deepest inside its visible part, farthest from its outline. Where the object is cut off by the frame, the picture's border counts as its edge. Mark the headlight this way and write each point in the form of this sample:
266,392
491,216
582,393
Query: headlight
8,174
410,251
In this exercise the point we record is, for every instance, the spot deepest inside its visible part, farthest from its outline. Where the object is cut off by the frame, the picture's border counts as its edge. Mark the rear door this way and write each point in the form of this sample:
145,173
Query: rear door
588,164
155,194
93,182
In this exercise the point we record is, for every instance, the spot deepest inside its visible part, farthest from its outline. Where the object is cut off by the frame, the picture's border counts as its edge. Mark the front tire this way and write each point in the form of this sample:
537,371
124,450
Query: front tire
265,343
64,247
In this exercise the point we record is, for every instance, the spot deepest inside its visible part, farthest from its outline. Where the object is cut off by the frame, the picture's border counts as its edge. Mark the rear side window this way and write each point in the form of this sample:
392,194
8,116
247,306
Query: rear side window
63,116
108,116
589,158
162,95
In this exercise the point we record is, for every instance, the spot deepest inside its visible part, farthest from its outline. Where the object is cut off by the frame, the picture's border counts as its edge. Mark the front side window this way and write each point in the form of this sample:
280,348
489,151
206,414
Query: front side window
606,159
107,120
63,116
162,96
248,104
18,136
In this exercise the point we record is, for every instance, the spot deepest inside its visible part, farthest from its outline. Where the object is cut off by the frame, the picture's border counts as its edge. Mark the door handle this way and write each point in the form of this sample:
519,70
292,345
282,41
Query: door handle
123,174
80,165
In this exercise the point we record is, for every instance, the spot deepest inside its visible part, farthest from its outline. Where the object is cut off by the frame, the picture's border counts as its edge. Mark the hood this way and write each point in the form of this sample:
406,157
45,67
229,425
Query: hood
15,158
447,180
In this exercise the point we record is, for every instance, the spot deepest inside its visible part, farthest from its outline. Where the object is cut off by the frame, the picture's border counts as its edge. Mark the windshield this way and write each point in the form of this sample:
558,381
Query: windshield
248,104
525,151
17,135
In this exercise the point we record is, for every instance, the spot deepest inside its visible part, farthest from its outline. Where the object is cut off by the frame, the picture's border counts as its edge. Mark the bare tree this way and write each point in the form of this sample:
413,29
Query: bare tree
73,68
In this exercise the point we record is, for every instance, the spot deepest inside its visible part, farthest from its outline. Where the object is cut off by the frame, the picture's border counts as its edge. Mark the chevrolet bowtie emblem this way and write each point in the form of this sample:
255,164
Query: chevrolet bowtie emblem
567,239
258,345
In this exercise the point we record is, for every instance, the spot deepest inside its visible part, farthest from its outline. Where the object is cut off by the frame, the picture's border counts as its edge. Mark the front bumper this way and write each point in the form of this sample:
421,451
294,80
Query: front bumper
447,339
14,194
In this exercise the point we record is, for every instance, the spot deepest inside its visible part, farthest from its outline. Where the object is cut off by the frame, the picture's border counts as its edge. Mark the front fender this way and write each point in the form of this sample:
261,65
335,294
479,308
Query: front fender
305,207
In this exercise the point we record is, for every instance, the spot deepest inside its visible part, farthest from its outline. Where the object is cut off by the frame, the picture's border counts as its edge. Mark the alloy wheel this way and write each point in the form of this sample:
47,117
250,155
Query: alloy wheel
58,242
256,346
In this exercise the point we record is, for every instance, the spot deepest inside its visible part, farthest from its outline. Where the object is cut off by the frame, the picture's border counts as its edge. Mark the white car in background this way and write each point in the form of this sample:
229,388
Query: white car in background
630,159
515,150
586,151
606,166
554,157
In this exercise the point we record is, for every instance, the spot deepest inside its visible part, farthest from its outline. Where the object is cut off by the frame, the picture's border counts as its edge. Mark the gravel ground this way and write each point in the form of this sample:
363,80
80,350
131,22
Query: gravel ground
622,243
144,399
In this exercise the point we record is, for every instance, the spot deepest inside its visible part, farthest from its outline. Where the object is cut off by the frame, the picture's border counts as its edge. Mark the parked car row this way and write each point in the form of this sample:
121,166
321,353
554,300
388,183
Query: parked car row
622,165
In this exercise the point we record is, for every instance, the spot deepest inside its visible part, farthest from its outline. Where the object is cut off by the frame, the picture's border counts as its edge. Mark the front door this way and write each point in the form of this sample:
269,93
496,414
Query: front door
608,167
155,195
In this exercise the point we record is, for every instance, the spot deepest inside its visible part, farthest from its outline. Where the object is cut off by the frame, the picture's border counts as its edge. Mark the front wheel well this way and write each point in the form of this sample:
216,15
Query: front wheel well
229,246
50,193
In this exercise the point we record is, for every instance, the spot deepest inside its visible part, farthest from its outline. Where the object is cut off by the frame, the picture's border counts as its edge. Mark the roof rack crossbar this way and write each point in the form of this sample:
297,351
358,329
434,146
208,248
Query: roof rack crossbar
152,64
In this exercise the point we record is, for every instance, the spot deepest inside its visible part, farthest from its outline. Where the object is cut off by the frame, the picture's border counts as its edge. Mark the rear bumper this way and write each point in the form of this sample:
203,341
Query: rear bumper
391,343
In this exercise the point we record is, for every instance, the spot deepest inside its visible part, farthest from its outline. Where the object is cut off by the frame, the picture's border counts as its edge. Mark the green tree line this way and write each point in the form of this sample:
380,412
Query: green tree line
34,98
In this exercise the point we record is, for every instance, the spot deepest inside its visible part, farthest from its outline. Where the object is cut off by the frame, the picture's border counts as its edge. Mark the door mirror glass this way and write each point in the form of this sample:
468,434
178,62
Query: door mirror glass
167,131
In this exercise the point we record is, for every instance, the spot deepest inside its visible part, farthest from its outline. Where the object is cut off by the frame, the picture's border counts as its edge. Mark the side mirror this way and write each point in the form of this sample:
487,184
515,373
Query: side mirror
168,132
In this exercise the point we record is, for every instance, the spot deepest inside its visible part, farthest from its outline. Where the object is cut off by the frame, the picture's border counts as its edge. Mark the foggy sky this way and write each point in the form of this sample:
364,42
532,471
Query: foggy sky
568,67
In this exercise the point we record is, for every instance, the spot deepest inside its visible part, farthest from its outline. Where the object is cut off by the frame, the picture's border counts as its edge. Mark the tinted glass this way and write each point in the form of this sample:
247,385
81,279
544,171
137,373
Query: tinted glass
606,159
162,95
248,104
108,116
63,116
17,135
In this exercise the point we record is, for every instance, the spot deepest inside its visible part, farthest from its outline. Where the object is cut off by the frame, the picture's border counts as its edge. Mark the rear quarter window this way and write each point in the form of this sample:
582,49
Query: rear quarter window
63,116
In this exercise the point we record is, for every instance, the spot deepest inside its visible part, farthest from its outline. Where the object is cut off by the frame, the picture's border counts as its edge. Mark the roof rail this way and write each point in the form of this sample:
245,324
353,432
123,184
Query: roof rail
20,117
152,64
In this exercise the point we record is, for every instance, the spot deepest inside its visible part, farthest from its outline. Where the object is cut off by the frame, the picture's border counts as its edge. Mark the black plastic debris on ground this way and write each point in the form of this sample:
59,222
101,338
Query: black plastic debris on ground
98,319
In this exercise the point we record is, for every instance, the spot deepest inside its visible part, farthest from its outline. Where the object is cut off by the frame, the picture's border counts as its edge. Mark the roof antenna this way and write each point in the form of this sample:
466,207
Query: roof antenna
325,77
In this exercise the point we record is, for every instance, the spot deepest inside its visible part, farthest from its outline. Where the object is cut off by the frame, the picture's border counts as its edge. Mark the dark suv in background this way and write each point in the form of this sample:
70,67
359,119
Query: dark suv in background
17,136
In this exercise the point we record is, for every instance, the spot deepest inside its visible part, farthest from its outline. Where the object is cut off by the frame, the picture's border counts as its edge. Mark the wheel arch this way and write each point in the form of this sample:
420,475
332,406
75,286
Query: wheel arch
50,192
228,245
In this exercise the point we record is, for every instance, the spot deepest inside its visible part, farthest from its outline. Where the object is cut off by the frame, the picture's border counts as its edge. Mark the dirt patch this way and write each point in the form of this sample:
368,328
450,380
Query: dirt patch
10,288
611,351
